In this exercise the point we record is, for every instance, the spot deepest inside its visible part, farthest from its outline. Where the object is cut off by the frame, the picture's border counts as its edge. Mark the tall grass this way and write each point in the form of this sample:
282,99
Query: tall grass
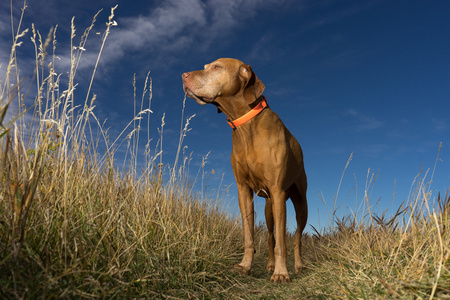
73,224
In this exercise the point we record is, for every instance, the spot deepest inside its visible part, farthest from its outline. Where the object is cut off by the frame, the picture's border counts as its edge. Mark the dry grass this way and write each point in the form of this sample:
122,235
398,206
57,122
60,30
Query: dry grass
401,257
74,225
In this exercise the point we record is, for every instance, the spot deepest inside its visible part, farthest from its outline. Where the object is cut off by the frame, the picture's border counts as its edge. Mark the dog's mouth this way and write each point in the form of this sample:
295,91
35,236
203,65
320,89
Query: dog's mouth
200,99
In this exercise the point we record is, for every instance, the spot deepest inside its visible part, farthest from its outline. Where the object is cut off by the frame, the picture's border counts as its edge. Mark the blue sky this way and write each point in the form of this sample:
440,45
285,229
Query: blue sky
370,78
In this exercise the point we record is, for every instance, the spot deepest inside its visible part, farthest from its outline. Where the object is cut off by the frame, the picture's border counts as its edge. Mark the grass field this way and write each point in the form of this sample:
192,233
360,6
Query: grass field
73,224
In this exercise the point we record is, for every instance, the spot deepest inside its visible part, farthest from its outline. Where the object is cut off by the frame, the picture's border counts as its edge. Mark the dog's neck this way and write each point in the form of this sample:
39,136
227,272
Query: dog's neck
235,109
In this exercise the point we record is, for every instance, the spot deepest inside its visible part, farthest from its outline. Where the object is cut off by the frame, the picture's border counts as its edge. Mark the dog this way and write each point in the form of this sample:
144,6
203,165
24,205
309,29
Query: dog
266,158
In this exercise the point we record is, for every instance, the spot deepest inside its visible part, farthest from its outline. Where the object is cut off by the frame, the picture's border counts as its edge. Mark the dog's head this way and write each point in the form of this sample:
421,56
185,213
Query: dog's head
225,77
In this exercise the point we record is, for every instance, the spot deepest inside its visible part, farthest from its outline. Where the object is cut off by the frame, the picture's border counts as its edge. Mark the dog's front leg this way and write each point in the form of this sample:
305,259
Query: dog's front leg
245,196
280,273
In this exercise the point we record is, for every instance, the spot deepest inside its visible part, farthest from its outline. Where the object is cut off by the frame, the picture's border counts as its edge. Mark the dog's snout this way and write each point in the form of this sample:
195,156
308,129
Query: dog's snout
186,75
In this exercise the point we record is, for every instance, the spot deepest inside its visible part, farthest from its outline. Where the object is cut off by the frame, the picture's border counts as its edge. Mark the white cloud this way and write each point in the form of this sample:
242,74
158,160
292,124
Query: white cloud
168,30
176,26
171,27
160,27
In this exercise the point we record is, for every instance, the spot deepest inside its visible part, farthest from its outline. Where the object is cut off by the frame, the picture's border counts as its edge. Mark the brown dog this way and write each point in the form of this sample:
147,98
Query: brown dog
266,158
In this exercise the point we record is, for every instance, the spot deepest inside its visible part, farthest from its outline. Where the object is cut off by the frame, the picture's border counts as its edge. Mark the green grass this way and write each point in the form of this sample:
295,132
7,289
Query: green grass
73,224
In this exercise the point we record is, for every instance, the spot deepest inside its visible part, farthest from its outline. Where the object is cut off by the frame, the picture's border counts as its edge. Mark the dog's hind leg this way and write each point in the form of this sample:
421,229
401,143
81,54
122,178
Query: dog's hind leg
271,239
298,197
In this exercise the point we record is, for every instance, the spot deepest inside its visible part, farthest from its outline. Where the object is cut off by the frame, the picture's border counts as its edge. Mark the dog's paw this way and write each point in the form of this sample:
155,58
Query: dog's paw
299,268
242,269
280,278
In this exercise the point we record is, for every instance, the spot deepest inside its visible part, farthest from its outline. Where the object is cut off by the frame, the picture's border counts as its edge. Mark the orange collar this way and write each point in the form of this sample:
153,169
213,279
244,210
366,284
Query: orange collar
250,115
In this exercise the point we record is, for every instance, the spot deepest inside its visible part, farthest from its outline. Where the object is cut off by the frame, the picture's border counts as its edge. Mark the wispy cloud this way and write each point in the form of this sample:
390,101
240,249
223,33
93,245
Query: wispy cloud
439,124
328,16
5,32
160,28
176,26
168,29
364,122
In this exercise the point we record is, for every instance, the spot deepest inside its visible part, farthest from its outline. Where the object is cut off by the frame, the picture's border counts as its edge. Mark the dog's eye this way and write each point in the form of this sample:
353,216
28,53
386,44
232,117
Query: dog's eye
217,67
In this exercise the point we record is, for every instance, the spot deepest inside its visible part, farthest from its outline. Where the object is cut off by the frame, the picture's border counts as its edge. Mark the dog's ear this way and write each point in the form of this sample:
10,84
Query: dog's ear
253,88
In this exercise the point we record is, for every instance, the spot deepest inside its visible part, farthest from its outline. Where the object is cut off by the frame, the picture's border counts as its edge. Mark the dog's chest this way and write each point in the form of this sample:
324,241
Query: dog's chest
252,173
258,183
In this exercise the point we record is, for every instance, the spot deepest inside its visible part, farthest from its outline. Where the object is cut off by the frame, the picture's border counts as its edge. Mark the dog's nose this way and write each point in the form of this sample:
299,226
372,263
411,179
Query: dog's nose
186,75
